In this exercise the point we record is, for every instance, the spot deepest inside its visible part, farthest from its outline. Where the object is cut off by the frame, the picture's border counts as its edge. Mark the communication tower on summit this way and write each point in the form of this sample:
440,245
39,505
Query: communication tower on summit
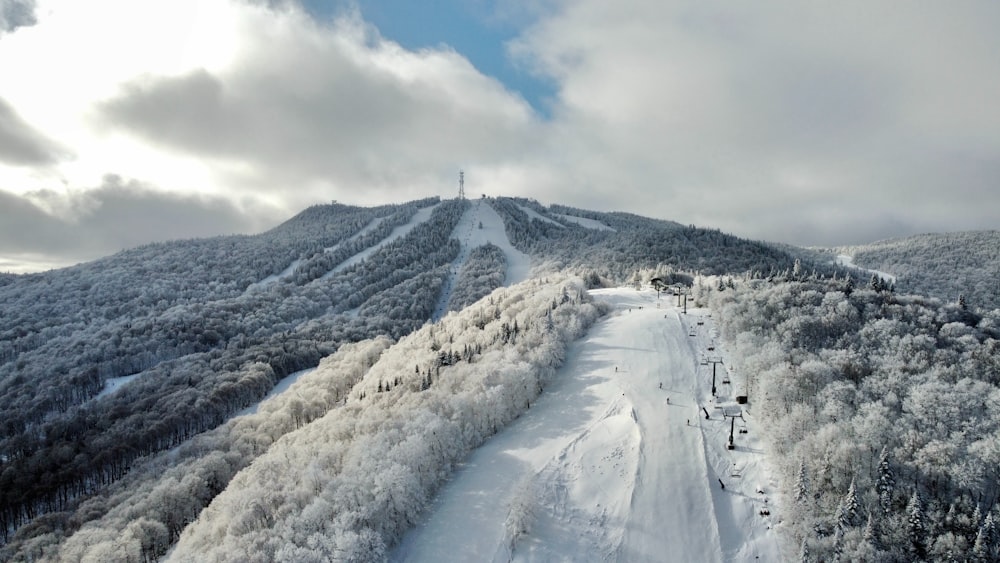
461,184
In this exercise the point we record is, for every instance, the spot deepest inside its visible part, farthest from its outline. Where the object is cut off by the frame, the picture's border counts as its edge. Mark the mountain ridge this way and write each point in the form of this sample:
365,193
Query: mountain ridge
201,337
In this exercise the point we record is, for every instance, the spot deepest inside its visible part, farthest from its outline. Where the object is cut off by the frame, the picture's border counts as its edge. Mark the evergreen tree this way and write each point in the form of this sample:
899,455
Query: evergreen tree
985,546
804,552
838,543
886,482
876,283
802,483
847,513
916,528
869,534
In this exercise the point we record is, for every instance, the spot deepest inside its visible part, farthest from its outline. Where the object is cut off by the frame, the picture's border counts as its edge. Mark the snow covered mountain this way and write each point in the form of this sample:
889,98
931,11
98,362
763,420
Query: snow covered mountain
945,265
419,355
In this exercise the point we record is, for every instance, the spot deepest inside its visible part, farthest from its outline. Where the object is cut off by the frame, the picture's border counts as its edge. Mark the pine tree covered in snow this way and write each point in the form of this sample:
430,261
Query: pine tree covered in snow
916,527
985,546
886,483
802,483
847,510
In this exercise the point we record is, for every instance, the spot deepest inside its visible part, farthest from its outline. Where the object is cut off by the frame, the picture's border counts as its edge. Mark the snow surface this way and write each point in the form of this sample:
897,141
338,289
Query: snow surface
584,222
275,277
846,260
295,263
419,217
278,389
611,465
112,384
470,236
532,214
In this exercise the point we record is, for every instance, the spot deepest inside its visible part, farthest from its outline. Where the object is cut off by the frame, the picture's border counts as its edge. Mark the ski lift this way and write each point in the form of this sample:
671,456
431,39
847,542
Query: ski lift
725,380
701,322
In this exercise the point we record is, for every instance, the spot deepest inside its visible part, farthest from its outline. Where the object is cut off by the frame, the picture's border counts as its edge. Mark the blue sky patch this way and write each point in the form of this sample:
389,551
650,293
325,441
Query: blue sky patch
470,27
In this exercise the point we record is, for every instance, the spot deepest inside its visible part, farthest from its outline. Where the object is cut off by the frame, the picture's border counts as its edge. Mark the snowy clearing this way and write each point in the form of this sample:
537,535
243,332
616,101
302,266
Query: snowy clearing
295,263
479,225
845,260
113,384
275,277
278,389
609,465
419,217
584,222
532,214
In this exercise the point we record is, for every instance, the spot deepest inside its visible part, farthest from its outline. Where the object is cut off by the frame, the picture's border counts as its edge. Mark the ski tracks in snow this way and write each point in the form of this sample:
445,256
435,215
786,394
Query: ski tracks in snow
479,225
584,490
623,465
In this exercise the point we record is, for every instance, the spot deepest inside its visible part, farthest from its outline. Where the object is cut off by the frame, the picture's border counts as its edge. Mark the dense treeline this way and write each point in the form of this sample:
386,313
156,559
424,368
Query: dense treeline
634,243
205,328
346,486
481,273
950,266
139,517
241,346
77,327
338,466
883,416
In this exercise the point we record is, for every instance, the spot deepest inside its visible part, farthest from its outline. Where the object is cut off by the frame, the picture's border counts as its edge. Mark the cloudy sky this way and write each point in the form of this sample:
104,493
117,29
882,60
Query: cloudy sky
812,123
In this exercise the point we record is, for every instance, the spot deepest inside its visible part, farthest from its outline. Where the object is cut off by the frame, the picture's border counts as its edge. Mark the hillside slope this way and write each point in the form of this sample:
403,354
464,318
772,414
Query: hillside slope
615,461
945,265
189,333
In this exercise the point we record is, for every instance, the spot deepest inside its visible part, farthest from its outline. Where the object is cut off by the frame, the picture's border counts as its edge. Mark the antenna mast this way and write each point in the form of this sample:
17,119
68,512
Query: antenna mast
461,184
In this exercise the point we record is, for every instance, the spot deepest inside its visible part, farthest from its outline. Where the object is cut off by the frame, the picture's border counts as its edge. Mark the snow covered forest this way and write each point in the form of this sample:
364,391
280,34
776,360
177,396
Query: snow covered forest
404,336
946,265
884,415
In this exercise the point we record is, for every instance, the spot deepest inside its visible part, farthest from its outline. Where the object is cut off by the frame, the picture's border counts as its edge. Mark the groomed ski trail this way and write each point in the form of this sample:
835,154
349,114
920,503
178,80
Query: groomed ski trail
613,471
479,225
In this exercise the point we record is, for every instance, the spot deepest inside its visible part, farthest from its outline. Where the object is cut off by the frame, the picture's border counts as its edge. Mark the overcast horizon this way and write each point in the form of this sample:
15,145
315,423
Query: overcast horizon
123,123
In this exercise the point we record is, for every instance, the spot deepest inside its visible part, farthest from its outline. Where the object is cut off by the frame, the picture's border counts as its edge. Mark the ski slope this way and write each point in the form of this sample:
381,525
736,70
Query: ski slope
534,215
585,222
421,216
288,271
610,466
470,235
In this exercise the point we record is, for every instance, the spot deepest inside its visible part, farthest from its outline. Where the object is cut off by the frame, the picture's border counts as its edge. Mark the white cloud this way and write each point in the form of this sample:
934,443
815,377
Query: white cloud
720,114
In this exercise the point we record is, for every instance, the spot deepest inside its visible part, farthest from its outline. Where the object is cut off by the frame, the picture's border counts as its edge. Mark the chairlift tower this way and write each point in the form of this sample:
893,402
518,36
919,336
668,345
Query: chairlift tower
461,184
732,425
715,361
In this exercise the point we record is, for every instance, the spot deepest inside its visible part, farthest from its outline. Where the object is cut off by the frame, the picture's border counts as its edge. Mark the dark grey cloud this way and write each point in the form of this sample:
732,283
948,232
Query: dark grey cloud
15,14
61,228
21,145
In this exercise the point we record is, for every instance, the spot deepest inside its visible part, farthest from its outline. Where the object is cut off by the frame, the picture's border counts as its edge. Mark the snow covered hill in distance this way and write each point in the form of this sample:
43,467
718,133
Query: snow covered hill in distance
419,355
944,265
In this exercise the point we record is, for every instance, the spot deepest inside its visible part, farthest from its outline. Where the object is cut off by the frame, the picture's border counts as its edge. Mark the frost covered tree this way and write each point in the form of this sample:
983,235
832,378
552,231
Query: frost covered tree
802,483
916,527
521,512
886,483
985,547
847,511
